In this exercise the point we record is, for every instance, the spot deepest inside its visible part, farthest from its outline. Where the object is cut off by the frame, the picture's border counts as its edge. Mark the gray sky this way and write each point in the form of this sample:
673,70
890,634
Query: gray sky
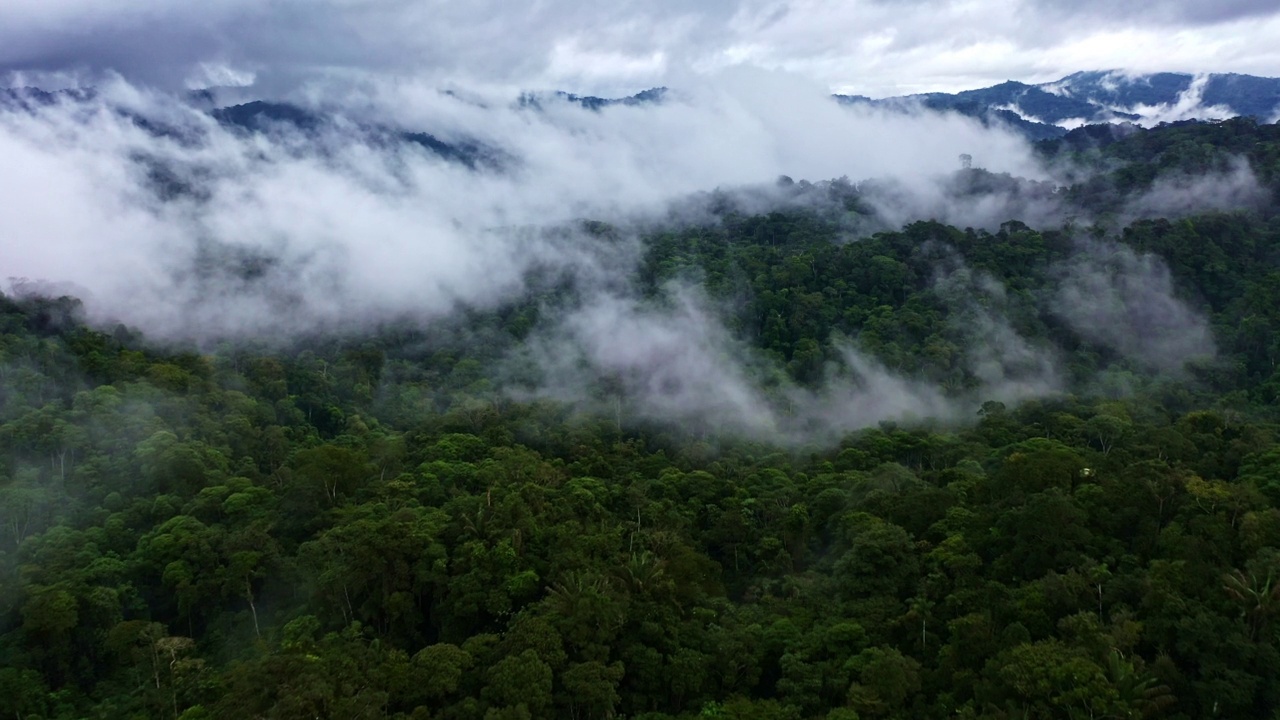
874,47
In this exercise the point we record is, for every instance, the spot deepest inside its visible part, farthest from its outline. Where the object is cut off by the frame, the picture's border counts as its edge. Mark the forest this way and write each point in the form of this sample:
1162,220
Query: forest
396,524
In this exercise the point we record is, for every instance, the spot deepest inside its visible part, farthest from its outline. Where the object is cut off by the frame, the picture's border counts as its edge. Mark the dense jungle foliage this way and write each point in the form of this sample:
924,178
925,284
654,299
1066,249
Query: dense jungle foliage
372,528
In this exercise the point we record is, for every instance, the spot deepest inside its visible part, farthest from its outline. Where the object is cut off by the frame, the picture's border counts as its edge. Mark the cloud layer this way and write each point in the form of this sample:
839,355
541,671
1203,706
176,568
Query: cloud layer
875,47
161,218
279,232
1127,302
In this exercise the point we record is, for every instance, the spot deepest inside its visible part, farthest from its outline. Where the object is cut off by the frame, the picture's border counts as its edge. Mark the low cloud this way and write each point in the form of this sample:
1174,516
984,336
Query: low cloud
1180,194
968,198
671,361
185,228
1127,302
166,220
1189,105
1008,366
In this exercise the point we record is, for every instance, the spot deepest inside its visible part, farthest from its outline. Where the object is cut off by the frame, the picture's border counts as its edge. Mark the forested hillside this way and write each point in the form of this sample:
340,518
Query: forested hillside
1077,517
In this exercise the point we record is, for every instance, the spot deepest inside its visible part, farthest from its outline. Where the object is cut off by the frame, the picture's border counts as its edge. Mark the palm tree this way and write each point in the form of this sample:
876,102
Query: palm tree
1140,695
1259,598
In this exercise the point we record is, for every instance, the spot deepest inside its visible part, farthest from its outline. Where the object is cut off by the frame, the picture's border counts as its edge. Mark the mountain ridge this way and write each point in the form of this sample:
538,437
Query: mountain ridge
1038,111
1048,110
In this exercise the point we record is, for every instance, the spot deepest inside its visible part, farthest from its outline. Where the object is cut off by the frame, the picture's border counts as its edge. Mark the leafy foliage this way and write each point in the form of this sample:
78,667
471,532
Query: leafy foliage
368,528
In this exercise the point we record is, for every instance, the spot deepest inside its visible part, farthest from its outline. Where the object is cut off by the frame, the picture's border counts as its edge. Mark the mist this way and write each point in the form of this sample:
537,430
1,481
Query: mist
281,233
1127,302
161,218
670,360
1235,187
1009,367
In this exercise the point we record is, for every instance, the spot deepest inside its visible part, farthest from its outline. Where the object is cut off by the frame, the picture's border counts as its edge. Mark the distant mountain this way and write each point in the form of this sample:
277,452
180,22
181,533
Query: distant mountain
591,102
1148,95
262,116
29,98
1045,111
1049,110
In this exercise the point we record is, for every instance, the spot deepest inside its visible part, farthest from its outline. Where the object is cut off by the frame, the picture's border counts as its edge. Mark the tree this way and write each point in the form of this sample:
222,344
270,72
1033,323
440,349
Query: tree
520,681
592,689
886,680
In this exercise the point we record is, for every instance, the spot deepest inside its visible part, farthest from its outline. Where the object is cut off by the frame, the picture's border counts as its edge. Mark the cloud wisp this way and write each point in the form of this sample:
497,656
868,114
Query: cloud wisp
170,222
162,218
1126,301
671,361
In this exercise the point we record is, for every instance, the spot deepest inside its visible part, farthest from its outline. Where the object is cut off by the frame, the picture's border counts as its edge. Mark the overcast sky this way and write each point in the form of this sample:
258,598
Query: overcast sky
874,47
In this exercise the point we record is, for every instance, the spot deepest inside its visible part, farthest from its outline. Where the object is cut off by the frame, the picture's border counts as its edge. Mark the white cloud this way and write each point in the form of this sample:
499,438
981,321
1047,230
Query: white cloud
343,231
1127,301
873,47
212,75
1188,105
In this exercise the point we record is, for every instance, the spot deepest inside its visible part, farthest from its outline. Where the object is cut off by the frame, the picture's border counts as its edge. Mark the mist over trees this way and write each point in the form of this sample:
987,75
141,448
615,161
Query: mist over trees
966,443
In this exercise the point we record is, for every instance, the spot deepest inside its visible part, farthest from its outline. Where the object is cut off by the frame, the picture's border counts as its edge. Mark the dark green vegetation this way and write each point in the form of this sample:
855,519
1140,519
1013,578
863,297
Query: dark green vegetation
370,528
